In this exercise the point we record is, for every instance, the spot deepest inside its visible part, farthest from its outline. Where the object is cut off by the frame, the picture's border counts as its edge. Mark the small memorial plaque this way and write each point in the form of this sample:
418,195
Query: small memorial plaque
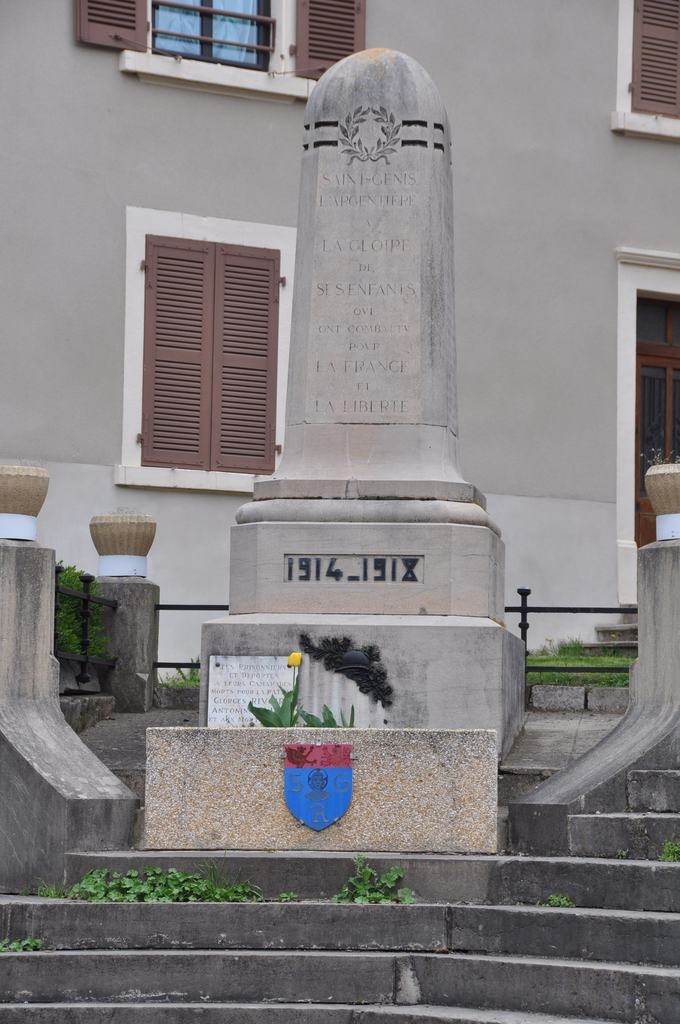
235,681
354,569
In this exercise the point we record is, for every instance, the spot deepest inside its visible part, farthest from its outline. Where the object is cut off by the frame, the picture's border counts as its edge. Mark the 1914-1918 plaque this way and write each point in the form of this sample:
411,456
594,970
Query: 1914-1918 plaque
367,528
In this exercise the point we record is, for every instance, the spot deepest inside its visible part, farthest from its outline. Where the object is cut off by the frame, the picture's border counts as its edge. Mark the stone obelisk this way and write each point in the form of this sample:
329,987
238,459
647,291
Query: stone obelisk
367,531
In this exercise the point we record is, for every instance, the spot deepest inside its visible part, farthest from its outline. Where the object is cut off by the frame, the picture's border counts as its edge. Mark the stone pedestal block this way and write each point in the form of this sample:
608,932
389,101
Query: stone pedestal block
56,796
385,568
446,672
133,638
648,735
413,790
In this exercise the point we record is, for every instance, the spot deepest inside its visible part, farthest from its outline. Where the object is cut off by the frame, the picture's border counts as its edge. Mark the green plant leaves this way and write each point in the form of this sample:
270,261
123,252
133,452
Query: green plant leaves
366,886
287,712
69,617
154,885
29,945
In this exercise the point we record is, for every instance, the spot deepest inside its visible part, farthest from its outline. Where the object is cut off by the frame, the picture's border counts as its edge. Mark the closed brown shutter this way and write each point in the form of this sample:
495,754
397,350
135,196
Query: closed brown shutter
244,363
120,24
327,31
656,57
178,353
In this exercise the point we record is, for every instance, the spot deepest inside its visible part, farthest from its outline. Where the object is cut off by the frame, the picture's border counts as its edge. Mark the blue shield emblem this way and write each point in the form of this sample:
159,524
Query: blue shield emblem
317,782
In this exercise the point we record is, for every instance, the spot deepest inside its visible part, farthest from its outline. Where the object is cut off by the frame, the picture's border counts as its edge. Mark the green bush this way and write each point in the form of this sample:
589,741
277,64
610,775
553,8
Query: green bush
68,623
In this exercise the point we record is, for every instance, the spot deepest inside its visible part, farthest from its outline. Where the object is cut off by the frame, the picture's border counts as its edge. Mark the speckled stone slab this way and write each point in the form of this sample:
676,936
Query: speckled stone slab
415,790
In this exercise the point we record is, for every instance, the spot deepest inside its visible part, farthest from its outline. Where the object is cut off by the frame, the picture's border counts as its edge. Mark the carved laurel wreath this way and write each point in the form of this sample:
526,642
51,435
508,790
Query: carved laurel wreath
350,136
371,678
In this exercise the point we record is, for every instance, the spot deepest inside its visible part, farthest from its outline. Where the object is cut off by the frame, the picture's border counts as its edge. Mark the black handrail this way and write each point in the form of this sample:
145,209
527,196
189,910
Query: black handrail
186,608
87,599
524,609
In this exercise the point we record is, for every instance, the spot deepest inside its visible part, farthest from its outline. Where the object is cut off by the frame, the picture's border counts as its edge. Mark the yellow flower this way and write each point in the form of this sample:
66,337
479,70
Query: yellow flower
294,659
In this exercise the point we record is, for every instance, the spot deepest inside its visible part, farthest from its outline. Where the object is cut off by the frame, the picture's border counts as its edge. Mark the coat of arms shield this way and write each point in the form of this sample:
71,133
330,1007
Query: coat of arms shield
317,782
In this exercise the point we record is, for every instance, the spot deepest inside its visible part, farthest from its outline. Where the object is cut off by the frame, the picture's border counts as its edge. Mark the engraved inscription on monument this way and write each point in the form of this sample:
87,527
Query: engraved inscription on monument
365,305
354,568
235,681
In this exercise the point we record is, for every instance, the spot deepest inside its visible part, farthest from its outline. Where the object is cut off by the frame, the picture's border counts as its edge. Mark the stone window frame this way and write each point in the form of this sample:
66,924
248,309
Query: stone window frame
624,120
641,272
141,222
279,83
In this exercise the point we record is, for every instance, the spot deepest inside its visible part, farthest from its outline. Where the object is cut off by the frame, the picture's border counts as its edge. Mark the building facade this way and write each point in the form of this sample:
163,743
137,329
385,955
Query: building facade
149,176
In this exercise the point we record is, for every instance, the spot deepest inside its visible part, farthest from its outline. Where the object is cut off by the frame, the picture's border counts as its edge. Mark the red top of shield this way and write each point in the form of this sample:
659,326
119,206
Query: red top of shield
318,755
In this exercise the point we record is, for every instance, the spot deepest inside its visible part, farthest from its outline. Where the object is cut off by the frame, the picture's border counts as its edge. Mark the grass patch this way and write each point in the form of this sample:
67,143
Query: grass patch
183,679
571,652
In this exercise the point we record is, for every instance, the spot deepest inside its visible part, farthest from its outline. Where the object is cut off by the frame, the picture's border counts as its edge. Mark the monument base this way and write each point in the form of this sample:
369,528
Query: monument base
445,671
413,791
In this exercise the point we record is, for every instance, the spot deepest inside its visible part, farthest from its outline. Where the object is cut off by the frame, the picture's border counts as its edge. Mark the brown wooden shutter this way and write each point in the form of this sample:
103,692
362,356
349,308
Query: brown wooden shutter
327,31
180,295
656,57
244,366
120,24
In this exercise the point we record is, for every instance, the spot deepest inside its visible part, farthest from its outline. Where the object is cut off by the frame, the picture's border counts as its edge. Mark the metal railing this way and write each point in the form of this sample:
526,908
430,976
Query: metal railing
524,609
186,608
87,600
162,36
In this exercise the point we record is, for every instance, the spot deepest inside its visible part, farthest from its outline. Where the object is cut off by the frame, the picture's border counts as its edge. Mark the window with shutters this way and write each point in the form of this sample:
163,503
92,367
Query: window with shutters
648,80
254,46
210,356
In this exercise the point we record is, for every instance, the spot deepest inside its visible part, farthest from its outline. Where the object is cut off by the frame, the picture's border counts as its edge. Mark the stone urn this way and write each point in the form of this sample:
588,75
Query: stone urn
22,493
662,484
122,540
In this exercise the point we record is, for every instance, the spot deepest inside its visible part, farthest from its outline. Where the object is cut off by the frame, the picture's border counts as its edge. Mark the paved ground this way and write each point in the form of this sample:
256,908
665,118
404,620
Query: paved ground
549,741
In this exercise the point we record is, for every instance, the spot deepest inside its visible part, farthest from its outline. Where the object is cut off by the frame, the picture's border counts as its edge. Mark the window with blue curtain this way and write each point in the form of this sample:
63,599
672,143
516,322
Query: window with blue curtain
207,34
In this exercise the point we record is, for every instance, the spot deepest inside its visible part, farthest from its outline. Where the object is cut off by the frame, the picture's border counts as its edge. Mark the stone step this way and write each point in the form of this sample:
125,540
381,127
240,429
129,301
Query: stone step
84,711
620,646
654,790
74,925
589,934
515,781
268,1013
635,835
614,991
575,933
617,631
591,882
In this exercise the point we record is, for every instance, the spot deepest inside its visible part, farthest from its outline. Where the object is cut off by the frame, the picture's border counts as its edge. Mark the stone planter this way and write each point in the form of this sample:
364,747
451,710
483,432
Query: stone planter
663,490
22,493
122,540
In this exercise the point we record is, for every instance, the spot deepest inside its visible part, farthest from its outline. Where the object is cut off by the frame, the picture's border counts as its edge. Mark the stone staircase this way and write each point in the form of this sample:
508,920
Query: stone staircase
477,947
618,636
652,817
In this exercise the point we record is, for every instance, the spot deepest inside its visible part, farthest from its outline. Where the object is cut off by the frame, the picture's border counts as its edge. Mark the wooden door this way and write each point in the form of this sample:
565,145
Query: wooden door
658,401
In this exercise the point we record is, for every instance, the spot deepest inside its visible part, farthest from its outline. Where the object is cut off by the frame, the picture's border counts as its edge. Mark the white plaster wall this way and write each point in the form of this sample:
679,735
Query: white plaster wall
565,551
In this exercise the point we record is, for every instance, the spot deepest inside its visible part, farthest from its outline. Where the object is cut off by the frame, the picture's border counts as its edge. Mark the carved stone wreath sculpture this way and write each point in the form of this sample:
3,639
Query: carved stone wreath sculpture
362,664
355,147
